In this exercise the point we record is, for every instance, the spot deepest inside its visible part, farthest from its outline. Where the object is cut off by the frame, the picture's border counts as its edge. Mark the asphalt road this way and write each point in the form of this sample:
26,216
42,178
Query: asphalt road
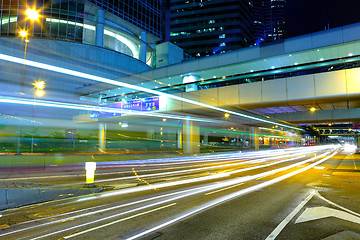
305,193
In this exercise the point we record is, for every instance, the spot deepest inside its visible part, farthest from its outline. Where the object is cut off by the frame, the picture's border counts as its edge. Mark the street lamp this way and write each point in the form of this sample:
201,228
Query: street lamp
39,92
39,86
33,15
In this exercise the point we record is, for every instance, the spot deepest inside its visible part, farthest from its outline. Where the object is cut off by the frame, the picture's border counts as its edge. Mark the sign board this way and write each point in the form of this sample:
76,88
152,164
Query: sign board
138,105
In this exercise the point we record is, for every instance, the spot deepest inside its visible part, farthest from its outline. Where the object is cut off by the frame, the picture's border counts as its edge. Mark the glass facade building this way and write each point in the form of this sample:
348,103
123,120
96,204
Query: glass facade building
270,21
149,15
205,27
76,20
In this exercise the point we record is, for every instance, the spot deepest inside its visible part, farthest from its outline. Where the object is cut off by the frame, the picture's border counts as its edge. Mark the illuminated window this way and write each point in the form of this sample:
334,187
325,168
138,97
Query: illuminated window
222,36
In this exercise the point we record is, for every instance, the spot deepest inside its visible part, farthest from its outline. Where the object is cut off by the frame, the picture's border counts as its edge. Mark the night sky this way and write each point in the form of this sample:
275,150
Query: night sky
307,16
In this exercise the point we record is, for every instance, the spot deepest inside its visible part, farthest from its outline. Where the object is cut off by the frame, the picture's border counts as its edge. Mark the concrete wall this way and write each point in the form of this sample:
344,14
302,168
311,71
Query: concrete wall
168,53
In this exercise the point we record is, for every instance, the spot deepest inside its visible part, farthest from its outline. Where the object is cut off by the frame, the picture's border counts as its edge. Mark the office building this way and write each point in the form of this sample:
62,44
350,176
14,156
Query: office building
129,27
204,27
270,22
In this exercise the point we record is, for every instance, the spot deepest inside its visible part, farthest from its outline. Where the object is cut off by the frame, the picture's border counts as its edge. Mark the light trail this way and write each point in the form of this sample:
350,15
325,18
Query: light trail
43,103
117,221
53,233
198,169
94,197
175,173
223,189
192,192
69,72
229,197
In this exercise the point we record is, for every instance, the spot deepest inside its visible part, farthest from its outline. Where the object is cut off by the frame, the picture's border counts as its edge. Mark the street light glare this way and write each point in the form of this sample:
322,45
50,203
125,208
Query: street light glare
39,93
227,115
32,14
312,109
23,33
39,85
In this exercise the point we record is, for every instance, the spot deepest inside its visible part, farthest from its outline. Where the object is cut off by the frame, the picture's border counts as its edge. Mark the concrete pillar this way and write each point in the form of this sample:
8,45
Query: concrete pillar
191,132
100,20
206,138
179,139
142,54
102,137
255,138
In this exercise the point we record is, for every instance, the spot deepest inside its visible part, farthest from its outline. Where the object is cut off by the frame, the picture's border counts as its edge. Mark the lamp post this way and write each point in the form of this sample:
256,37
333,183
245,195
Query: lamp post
33,15
39,92
24,34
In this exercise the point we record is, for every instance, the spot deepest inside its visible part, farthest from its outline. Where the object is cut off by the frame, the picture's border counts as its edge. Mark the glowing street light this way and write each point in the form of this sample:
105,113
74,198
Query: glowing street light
32,14
39,85
23,33
39,93
313,109
226,115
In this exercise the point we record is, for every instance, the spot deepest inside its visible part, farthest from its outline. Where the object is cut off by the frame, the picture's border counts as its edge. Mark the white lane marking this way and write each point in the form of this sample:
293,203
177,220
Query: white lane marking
117,221
224,189
230,196
318,167
284,222
337,205
315,213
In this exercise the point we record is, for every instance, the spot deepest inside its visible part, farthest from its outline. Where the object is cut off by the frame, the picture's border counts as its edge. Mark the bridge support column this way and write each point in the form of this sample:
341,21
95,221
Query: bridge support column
102,137
255,138
191,132
206,138
179,139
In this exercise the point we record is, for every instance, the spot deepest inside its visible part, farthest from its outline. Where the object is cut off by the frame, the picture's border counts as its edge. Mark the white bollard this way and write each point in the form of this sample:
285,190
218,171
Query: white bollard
90,168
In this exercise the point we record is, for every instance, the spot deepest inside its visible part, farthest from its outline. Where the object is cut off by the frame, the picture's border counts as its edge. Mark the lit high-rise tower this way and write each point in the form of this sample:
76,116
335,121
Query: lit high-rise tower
270,21
207,27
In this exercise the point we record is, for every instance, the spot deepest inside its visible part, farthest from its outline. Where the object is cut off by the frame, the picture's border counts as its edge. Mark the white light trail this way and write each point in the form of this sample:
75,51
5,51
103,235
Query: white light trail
207,168
42,103
117,221
191,192
66,71
230,196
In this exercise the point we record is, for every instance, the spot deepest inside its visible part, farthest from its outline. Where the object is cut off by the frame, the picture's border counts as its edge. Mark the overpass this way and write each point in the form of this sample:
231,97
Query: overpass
283,80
